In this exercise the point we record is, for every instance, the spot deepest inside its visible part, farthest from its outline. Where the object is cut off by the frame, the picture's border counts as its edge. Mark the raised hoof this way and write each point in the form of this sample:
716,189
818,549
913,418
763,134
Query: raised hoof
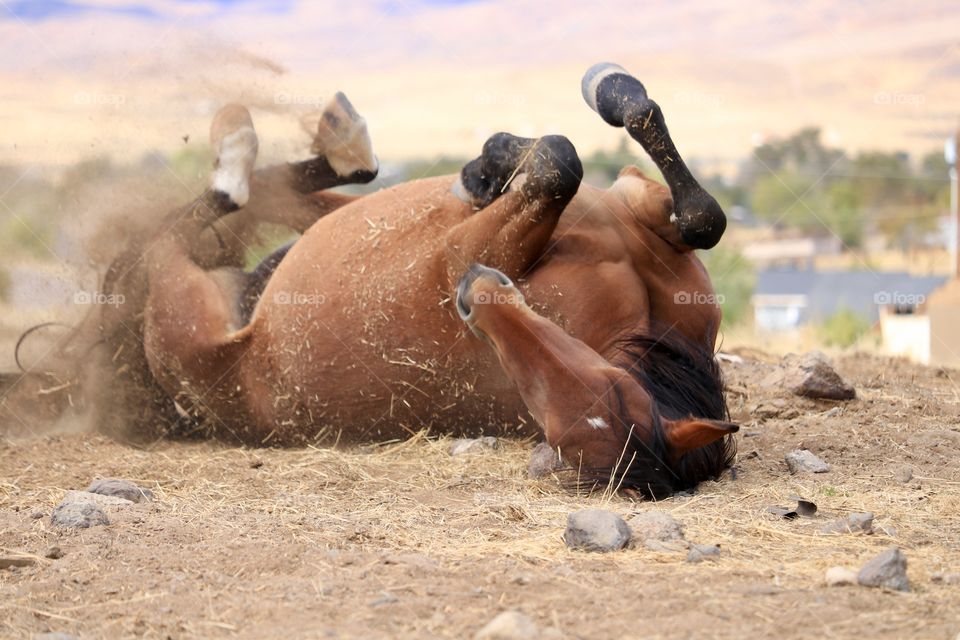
235,144
547,166
342,138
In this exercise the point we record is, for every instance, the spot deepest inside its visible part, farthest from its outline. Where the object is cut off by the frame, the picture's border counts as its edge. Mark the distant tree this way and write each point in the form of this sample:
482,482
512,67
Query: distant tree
734,279
843,328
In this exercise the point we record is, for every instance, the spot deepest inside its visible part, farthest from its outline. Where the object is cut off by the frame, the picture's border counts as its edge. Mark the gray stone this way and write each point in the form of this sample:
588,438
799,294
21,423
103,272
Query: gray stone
385,598
810,376
840,577
120,489
903,474
888,570
596,530
853,523
509,625
804,460
544,460
473,445
701,552
78,514
658,531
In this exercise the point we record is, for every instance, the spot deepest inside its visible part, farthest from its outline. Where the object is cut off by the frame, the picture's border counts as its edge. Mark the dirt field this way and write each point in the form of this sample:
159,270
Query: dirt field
402,540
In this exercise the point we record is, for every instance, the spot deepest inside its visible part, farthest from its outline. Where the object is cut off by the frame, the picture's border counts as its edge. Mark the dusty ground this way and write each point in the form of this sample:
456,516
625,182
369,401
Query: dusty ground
402,540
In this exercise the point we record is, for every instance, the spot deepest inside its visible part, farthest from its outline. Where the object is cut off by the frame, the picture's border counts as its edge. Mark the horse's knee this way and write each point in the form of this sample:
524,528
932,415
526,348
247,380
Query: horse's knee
547,168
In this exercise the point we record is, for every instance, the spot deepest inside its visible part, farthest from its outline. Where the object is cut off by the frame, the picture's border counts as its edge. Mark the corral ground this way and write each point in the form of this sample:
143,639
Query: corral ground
402,540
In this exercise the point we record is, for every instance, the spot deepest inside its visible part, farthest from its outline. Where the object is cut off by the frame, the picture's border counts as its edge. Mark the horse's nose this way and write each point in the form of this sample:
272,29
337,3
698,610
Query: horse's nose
474,273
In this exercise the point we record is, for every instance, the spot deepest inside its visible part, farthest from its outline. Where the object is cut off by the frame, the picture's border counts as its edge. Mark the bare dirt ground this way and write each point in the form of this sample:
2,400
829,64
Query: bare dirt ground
402,540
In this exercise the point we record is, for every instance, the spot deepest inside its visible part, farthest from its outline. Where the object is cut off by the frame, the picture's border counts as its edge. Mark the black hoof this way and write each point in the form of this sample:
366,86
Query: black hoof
549,165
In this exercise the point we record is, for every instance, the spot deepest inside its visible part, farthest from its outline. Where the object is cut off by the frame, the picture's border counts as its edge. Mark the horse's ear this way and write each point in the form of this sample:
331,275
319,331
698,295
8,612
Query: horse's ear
692,433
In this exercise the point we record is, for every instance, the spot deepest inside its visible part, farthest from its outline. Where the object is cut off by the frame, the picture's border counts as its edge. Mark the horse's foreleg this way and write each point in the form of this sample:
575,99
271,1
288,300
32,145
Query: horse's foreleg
520,186
294,194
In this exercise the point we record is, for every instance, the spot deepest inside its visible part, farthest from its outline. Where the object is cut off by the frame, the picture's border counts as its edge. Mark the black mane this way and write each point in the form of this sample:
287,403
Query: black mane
684,380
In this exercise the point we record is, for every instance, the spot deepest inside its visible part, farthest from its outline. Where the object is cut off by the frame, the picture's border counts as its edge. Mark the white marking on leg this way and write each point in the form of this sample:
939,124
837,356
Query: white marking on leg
590,91
598,423
236,155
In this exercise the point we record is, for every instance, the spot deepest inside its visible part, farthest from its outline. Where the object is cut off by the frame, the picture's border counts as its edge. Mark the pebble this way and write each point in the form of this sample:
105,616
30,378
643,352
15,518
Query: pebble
78,514
544,460
509,625
853,523
658,531
385,598
53,553
120,489
805,460
596,530
840,577
888,570
903,474
811,376
701,552
473,445
946,578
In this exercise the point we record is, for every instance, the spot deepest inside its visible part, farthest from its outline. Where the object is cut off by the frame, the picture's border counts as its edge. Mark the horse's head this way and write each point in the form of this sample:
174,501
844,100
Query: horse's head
653,422
686,216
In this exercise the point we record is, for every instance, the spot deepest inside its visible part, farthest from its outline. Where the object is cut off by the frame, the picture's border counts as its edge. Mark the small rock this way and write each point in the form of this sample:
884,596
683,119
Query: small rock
53,553
853,523
903,474
120,489
473,445
53,635
886,529
701,552
804,460
97,499
888,570
830,413
946,578
509,625
658,531
78,514
36,515
840,577
596,530
810,376
543,461
385,598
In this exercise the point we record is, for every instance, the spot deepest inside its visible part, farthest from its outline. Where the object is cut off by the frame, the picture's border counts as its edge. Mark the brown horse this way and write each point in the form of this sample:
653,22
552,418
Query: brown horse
380,319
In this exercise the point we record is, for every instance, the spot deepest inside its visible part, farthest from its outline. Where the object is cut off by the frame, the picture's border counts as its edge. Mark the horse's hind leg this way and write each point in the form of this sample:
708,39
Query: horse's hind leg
191,318
520,186
294,194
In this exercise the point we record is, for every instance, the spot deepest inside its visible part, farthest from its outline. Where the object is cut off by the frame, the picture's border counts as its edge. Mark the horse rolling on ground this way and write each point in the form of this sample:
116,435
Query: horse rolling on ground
508,299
